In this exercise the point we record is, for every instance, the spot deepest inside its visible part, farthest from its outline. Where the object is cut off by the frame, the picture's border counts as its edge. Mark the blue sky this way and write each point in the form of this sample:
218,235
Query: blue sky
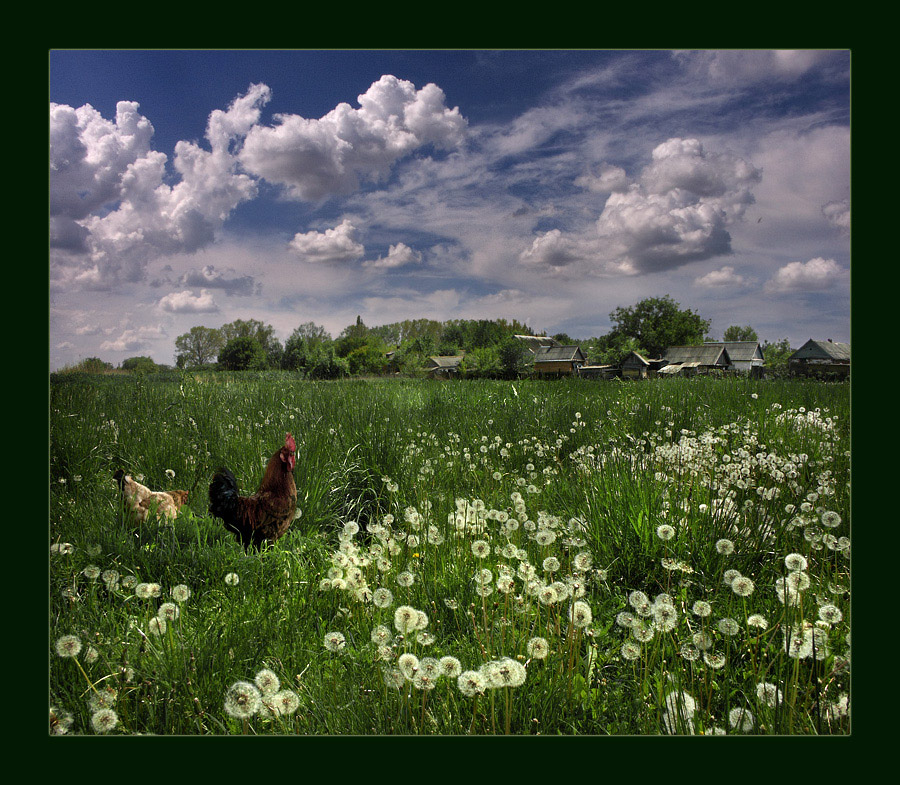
200,187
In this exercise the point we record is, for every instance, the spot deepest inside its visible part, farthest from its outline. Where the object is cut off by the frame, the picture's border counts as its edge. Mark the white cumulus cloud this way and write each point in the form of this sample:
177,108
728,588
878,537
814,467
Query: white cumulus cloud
399,255
331,246
815,275
315,158
109,192
724,277
188,302
132,339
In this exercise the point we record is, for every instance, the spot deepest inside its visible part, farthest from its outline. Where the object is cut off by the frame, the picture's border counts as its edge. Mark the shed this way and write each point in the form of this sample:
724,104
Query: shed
745,356
550,360
821,358
599,371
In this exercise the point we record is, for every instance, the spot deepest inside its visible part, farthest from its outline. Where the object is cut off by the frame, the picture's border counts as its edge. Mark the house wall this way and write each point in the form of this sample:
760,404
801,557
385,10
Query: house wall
553,367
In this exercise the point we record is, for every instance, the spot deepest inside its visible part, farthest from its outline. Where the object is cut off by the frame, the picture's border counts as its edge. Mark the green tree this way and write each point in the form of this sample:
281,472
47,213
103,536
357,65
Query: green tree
263,334
736,333
612,349
776,356
513,357
139,365
352,337
243,354
659,322
302,345
198,347
481,362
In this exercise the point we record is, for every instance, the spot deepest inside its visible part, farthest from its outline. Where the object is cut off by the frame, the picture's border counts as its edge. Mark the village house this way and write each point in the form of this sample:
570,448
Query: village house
558,360
695,360
746,356
821,358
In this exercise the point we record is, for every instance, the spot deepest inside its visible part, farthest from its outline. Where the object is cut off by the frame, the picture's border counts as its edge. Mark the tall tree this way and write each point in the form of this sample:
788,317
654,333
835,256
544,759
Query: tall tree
198,347
659,322
303,344
263,334
736,333
243,354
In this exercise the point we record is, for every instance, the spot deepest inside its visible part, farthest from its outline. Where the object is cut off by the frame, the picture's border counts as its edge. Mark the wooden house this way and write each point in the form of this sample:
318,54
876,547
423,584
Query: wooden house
635,366
695,360
443,366
558,360
746,356
821,358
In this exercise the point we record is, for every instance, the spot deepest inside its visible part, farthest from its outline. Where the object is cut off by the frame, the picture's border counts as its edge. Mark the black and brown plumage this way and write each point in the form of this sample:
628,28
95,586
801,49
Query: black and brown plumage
267,514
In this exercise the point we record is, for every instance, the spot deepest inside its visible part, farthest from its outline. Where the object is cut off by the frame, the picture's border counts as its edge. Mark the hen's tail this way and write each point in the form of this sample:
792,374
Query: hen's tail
119,477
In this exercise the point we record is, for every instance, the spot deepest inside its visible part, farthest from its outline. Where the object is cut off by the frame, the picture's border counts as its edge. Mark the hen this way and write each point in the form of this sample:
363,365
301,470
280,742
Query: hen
267,514
141,500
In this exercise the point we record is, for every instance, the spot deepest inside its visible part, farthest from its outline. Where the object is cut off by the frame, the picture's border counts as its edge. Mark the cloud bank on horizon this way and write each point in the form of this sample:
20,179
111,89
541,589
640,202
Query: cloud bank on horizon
720,178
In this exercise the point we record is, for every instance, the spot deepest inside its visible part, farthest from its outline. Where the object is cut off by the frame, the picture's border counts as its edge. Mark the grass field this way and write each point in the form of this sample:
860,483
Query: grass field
571,557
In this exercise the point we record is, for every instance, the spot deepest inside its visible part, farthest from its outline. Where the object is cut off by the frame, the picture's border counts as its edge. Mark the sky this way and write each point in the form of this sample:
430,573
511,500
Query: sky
549,186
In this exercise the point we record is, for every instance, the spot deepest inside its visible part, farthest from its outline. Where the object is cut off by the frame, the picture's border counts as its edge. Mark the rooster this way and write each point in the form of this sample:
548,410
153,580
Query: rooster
141,500
267,514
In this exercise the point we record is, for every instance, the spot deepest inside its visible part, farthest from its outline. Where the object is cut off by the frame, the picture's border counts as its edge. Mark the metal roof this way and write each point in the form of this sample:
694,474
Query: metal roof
551,354
822,350
706,354
740,351
446,361
535,342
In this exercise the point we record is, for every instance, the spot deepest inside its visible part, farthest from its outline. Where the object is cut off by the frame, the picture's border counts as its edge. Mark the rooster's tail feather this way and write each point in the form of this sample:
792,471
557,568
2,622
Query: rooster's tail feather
223,494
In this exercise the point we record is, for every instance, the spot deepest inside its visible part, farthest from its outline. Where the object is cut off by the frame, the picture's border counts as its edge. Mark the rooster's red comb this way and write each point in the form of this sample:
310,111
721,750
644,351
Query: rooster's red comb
289,442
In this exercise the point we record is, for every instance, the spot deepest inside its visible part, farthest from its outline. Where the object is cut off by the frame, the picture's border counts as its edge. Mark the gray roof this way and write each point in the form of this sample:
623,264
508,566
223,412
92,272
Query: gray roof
535,342
707,354
446,361
822,350
641,359
740,351
556,354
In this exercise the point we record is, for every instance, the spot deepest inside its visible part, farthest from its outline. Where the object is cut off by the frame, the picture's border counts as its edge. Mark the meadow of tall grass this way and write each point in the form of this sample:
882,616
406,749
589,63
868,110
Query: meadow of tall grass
475,557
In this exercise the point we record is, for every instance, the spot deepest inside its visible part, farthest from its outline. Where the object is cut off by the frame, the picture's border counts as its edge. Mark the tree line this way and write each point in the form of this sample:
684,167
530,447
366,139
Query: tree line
488,346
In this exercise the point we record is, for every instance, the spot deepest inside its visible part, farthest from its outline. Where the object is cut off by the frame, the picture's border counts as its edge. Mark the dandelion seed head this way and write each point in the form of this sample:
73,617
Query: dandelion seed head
702,608
665,531
768,694
104,720
335,641
795,562
741,719
471,683
725,547
408,664
742,586
630,650
68,646
242,700
267,681
450,667
757,620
